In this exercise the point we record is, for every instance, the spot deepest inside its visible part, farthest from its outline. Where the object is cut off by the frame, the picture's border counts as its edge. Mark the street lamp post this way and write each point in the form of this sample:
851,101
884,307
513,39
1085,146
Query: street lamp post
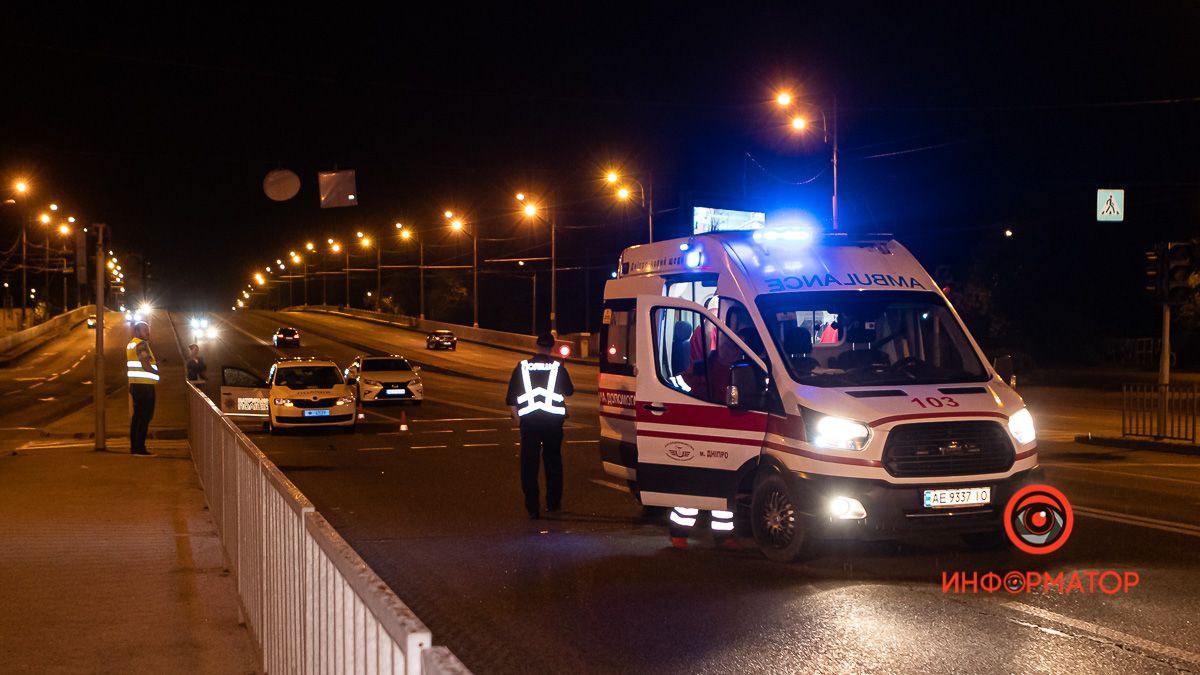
798,124
458,226
531,210
645,197
406,235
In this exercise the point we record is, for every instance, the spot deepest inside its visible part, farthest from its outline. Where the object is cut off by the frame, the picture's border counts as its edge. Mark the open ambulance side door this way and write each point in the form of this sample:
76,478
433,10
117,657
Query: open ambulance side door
243,394
694,431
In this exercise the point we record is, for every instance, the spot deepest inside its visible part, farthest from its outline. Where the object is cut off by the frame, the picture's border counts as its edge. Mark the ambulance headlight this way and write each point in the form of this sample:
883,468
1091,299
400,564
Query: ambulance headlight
1021,426
195,323
839,433
210,333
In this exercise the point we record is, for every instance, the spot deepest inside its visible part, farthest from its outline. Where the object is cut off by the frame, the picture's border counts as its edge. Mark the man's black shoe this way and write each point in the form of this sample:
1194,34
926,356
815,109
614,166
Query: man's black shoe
143,453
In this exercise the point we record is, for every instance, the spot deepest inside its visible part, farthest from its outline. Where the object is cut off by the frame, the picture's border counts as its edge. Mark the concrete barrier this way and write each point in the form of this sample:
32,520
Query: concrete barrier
582,346
12,346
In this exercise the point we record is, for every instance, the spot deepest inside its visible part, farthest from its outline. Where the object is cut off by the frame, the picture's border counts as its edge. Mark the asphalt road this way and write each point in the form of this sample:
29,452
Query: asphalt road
437,512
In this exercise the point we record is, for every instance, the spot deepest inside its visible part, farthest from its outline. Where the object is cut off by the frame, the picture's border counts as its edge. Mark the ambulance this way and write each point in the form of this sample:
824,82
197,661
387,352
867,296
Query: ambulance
818,385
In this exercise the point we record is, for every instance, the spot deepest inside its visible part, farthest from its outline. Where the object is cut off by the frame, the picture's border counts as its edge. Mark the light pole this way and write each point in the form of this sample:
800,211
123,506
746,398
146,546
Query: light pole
531,210
799,124
406,234
645,197
309,247
457,225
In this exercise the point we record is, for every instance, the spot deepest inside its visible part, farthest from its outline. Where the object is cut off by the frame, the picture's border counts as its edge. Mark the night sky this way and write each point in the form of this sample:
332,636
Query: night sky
953,125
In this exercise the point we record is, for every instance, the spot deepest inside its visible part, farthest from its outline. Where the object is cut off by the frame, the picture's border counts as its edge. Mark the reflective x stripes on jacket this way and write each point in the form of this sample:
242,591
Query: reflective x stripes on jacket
540,398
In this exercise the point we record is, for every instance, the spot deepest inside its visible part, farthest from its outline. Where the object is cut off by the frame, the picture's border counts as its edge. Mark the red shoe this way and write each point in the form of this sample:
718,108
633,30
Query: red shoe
679,542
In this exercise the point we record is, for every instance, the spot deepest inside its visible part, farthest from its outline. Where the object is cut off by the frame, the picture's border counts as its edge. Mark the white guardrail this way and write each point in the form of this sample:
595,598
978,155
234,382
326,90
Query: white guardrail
311,603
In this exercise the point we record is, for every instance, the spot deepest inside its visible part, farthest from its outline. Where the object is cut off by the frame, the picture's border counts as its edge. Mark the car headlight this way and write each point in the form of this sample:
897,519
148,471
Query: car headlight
371,383
211,332
346,400
839,433
286,402
1021,426
195,323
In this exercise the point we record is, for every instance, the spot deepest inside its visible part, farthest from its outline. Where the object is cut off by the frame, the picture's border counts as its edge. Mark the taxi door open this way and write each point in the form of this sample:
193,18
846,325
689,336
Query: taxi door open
700,405
243,394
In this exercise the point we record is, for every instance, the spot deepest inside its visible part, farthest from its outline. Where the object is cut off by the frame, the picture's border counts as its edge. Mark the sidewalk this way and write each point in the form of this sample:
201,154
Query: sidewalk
111,563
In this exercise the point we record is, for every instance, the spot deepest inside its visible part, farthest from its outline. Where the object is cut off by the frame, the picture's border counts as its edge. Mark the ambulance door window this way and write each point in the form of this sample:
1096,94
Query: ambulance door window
691,355
682,340
699,291
617,336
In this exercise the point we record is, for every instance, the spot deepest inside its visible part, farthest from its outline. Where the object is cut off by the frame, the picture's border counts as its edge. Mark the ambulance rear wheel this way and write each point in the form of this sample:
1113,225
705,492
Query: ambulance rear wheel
776,521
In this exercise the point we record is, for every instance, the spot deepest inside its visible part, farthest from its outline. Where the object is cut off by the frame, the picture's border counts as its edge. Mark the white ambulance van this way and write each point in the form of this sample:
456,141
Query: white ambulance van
820,386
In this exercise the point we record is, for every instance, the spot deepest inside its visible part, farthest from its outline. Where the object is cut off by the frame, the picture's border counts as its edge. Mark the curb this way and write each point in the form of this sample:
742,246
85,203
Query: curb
1138,444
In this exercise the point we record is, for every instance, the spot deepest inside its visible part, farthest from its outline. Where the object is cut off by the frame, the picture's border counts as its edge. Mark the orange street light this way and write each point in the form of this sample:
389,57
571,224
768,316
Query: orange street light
309,246
54,207
456,225
399,226
64,229
365,241
612,177
336,248
623,193
22,186
449,214
784,99
359,234
520,196
71,219
44,218
798,123
530,210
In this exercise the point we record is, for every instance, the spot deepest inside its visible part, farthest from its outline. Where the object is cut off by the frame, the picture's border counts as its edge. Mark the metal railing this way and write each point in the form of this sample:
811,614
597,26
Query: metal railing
311,603
1166,412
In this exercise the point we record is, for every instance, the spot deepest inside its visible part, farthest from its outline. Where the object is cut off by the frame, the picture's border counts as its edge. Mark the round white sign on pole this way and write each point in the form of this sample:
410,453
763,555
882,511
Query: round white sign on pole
281,185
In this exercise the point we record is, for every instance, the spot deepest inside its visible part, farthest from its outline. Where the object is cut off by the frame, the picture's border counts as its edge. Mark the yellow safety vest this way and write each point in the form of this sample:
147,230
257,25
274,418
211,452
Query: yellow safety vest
138,374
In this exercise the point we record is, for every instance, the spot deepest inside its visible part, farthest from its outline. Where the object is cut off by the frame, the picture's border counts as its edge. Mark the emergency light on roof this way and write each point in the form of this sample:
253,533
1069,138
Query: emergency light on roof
796,234
693,259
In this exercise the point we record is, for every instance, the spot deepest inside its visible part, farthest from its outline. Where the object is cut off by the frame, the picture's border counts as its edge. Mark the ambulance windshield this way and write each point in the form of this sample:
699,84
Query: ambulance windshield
855,339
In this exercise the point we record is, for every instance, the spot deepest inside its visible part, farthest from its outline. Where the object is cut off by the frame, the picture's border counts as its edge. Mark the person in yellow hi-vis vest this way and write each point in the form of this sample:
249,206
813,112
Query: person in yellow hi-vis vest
143,375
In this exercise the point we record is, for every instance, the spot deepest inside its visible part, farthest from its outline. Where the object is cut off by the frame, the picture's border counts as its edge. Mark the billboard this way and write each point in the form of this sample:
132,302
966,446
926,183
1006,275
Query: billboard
707,219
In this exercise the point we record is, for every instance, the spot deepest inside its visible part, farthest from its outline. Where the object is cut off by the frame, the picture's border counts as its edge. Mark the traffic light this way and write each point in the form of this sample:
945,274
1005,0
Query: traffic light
1177,271
1154,272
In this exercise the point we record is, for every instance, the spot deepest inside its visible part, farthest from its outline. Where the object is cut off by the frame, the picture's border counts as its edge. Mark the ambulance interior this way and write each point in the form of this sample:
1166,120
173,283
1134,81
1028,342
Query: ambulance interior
855,338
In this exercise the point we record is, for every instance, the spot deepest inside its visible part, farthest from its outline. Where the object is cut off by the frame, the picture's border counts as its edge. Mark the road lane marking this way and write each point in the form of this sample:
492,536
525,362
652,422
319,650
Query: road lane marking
1139,521
424,447
482,431
591,441
459,419
481,445
435,431
26,379
373,449
1125,473
613,486
1116,636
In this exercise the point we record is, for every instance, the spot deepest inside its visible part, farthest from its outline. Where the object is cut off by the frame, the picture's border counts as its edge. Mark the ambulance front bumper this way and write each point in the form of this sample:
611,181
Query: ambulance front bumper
893,511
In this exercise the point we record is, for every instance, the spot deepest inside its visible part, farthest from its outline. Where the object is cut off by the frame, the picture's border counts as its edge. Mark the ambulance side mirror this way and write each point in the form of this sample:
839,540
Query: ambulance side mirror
747,387
1003,365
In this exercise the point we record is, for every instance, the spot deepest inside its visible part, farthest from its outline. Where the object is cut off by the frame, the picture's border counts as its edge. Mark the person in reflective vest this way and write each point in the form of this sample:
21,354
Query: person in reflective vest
142,370
536,397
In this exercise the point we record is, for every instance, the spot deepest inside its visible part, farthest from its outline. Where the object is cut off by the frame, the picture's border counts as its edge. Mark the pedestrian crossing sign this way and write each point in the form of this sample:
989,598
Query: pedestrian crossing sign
1110,205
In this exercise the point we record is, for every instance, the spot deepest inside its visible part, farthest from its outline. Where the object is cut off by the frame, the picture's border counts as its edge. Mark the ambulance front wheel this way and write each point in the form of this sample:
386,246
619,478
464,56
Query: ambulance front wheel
776,521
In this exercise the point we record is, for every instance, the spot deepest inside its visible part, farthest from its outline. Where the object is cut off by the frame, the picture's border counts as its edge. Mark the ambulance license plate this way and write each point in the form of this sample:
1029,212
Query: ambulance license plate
316,413
974,496
395,392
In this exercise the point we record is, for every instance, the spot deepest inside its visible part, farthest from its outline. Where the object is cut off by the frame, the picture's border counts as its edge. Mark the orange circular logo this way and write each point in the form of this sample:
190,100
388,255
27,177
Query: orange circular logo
1038,519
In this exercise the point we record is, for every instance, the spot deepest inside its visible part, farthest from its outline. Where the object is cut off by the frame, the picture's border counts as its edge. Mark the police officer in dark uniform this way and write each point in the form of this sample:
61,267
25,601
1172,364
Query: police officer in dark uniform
536,394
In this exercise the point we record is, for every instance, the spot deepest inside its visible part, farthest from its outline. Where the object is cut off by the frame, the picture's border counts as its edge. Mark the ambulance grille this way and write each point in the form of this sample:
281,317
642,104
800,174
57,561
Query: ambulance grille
947,449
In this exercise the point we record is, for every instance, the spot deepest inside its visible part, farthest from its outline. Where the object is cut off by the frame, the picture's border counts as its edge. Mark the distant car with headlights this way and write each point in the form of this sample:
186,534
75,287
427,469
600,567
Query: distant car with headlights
380,379
286,337
201,329
309,392
441,339
91,321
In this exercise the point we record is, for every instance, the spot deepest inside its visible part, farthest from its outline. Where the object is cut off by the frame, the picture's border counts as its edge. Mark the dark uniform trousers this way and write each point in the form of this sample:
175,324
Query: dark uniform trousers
541,438
143,412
